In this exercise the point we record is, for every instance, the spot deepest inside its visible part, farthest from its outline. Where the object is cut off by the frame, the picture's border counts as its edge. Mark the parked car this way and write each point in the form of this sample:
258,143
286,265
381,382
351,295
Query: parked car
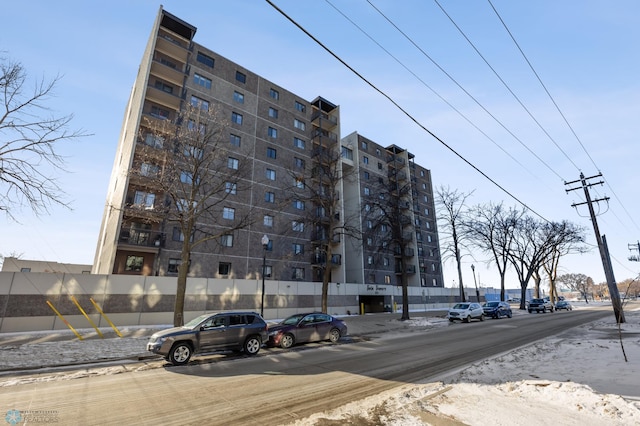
540,305
209,332
563,304
497,310
306,327
465,312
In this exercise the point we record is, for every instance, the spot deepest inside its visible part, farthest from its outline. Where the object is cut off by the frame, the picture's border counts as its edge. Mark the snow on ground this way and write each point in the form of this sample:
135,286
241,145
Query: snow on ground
580,377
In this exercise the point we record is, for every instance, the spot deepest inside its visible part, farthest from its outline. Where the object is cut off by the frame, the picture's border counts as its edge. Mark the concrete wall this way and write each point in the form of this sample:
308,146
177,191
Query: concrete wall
147,300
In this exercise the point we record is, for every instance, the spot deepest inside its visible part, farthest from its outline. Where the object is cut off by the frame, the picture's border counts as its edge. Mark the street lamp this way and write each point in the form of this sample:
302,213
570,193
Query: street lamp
473,269
265,244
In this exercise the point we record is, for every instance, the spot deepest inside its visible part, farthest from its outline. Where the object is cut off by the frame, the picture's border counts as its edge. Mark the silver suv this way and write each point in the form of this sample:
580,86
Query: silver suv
209,332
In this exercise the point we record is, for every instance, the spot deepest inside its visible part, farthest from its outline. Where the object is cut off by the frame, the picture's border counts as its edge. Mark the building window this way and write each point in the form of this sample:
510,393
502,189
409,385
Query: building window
267,271
426,212
199,127
233,163
369,241
228,213
186,177
224,268
202,81
273,113
298,249
161,85
144,200
134,263
273,133
199,103
173,265
298,204
268,220
421,173
297,226
238,97
424,186
347,153
366,175
299,124
365,145
300,106
204,59
177,234
160,113
235,140
231,188
365,159
379,165
242,78
429,239
298,143
271,174
149,170
226,240
153,140
369,224
236,118
369,260
366,190
387,279
297,274
270,197
434,282
274,94
371,278
385,261
298,163
298,182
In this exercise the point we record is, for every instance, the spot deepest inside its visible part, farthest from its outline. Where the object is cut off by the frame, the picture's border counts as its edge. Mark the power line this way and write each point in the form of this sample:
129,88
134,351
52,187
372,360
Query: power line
465,91
411,117
504,83
433,90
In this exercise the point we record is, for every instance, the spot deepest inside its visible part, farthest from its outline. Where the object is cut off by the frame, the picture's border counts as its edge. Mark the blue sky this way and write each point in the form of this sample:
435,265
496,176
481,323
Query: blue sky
585,52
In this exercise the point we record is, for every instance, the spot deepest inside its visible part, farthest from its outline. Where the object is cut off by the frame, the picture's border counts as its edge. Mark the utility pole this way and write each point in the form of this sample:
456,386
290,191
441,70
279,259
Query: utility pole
602,245
636,247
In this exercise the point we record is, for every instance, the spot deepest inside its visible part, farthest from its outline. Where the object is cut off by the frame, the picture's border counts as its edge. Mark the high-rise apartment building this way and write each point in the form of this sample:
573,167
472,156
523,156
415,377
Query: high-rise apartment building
284,136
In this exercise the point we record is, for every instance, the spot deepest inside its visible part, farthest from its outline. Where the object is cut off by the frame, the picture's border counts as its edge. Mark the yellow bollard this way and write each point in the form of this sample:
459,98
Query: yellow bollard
74,300
64,320
106,317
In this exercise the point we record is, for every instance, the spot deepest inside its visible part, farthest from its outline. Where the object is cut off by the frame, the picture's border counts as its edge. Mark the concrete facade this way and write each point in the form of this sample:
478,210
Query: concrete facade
148,300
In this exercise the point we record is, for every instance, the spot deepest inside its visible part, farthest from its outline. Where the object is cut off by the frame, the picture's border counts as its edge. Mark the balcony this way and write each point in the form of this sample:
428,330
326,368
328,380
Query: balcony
174,76
320,260
162,97
323,120
411,269
141,238
172,46
408,252
320,133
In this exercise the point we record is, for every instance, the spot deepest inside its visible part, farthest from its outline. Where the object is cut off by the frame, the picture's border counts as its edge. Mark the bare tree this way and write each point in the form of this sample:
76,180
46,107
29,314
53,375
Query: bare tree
529,248
564,238
386,211
199,176
491,228
29,135
451,217
577,282
318,189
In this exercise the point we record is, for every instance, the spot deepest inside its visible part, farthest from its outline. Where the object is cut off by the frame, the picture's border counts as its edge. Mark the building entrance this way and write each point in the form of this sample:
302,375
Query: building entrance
372,304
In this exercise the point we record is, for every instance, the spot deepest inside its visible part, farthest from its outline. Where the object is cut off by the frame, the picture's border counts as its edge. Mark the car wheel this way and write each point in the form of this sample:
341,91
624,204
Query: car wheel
544,310
334,335
180,353
252,345
510,315
450,319
287,341
530,311
481,317
467,319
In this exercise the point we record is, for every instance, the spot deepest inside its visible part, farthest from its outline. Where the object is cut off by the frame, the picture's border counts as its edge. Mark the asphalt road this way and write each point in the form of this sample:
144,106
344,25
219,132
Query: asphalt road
277,388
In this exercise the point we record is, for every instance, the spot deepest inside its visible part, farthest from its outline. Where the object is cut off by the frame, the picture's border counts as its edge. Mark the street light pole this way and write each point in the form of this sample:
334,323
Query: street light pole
265,244
473,269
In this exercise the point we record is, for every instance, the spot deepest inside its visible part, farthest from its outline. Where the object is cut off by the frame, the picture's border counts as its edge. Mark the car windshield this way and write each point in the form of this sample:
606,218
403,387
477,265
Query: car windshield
196,321
293,319
461,306
492,304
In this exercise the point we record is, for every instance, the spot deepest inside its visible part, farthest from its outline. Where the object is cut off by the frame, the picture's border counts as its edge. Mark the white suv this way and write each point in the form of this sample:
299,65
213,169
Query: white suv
465,312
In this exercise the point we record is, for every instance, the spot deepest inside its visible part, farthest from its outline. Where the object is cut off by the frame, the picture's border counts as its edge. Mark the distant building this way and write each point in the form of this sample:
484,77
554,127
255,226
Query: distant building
284,132
13,264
